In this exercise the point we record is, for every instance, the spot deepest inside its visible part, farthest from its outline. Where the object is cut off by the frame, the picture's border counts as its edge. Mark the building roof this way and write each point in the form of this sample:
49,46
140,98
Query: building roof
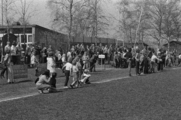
173,42
29,26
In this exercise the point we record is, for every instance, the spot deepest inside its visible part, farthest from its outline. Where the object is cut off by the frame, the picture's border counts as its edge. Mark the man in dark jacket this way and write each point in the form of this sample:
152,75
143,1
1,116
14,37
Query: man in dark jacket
128,56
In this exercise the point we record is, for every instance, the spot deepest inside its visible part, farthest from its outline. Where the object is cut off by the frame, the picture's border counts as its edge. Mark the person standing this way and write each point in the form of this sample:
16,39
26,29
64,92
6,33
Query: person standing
44,55
1,53
28,55
137,58
153,62
33,60
67,69
85,59
128,56
9,69
179,59
93,62
51,65
75,72
59,57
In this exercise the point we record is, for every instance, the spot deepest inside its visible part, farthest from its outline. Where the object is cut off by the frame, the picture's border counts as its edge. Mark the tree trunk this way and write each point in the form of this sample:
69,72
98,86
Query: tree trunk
168,44
139,22
70,24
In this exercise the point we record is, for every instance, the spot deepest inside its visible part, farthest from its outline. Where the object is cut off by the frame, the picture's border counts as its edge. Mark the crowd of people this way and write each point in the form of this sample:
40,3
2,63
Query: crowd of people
80,60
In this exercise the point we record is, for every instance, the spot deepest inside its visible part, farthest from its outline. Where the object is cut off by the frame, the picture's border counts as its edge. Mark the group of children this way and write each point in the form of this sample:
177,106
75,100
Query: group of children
74,67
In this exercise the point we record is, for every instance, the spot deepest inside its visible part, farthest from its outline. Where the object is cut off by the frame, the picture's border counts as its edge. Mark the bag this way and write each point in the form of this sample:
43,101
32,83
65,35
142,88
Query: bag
36,80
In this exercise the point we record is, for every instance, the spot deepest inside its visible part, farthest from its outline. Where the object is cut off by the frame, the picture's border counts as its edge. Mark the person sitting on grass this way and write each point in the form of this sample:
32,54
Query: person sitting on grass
85,77
43,82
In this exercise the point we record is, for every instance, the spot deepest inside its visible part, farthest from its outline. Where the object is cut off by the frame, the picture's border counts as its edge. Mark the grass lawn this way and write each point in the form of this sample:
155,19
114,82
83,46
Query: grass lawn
151,97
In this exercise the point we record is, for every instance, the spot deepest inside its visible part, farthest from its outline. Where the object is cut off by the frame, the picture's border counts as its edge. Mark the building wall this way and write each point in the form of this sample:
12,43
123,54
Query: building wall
45,37
89,40
175,46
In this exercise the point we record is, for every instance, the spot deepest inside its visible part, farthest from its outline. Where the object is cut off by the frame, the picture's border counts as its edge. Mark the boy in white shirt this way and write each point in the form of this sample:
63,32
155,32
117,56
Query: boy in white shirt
75,72
67,69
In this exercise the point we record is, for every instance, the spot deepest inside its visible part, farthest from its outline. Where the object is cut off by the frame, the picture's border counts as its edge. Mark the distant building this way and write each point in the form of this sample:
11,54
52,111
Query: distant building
35,34
174,45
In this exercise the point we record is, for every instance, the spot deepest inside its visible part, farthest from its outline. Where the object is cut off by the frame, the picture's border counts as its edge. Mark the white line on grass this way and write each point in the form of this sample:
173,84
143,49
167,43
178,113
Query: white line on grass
19,97
35,94
109,80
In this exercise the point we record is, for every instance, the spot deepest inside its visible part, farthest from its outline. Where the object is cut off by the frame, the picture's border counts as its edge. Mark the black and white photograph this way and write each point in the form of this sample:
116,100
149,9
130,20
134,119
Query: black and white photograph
90,59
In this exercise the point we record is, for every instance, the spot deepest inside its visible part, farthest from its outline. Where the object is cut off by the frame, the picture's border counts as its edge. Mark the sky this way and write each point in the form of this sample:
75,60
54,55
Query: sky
42,17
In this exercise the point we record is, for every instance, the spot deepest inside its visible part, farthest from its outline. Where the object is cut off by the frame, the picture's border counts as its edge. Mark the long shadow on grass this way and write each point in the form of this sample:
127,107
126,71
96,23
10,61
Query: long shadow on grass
58,91
24,81
97,72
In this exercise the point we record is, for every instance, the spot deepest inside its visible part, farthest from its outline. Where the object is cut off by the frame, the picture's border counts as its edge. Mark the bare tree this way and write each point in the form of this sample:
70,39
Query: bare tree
7,13
168,21
99,20
129,22
63,12
25,11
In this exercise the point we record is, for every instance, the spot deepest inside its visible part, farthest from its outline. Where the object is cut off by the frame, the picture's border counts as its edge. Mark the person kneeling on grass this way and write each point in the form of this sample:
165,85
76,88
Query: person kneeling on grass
85,77
43,82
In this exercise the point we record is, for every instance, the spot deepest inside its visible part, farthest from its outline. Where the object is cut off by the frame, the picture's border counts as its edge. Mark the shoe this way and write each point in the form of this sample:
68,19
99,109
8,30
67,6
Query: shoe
50,90
65,87
130,75
71,86
40,91
81,83
88,82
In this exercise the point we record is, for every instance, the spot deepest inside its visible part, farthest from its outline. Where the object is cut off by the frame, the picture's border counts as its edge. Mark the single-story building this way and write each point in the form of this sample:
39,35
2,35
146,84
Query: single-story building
174,45
34,34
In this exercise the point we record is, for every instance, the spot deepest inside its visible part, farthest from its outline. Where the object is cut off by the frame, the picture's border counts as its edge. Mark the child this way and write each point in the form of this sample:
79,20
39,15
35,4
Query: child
75,72
53,80
33,60
4,68
153,62
68,69
85,77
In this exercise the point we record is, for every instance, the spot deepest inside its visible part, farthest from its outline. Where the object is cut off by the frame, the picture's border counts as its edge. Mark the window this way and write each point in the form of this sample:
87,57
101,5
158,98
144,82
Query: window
30,38
23,40
18,39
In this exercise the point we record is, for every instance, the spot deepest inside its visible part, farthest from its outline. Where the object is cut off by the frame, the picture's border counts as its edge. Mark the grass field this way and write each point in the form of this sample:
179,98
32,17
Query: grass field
150,97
